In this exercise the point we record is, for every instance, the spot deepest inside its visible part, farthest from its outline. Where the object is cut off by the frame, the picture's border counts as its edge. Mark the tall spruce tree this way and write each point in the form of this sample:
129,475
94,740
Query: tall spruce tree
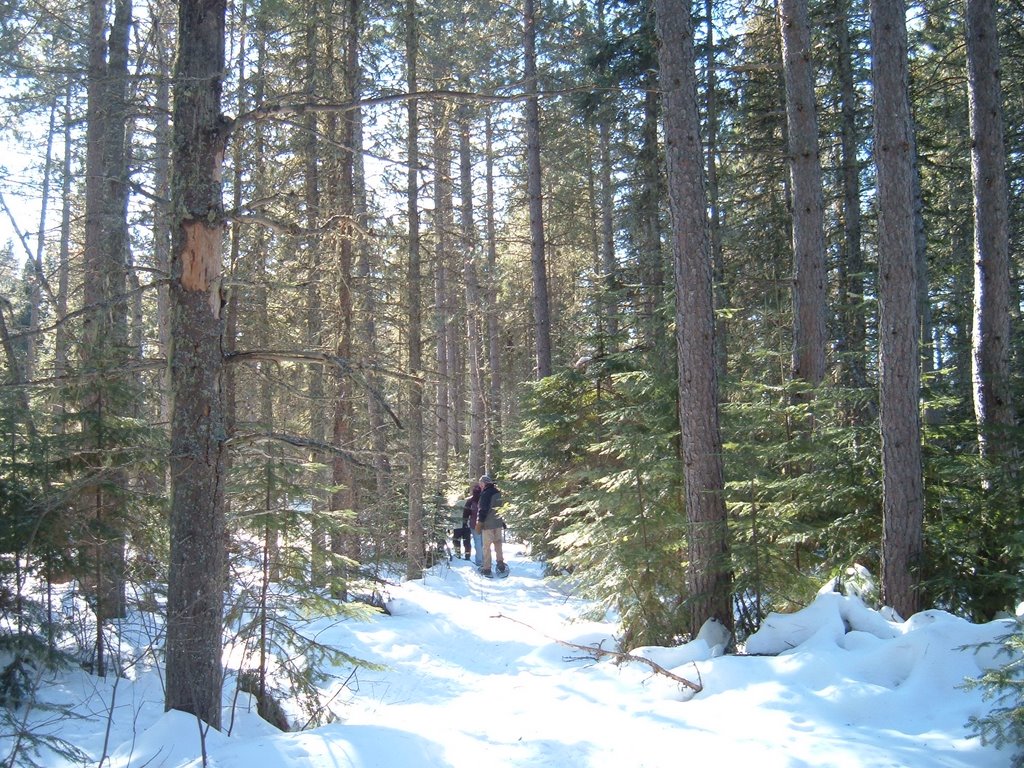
808,214
903,495
708,585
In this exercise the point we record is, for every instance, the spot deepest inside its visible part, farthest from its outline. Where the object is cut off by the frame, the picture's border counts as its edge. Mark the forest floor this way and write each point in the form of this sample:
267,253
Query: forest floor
479,672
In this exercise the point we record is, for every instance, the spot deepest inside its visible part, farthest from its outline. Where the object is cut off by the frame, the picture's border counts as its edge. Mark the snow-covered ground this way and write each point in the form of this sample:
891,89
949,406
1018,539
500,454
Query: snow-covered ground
477,673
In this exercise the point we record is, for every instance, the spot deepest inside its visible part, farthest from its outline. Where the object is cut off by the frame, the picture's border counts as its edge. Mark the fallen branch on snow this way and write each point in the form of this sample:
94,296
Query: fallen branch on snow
597,651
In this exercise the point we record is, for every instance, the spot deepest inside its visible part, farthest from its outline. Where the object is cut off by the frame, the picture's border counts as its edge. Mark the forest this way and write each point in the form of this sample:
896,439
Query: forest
724,295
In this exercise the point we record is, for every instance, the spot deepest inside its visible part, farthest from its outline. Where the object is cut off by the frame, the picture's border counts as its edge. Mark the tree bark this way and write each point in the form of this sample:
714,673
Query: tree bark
443,314
343,476
709,584
494,399
714,208
606,261
105,321
902,493
808,222
415,543
609,268
991,333
195,581
161,213
314,316
369,304
541,310
852,343
474,330
651,261
61,336
36,291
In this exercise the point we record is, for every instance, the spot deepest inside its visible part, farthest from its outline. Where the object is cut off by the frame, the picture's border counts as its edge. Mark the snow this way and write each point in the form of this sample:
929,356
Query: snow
478,670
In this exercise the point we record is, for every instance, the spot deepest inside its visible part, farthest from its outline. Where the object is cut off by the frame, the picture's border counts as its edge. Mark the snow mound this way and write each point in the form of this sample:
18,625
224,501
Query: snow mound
829,618
168,744
934,643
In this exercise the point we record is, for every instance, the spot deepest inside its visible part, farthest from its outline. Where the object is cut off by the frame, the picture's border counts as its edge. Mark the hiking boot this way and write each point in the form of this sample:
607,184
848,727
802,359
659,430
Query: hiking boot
486,572
502,568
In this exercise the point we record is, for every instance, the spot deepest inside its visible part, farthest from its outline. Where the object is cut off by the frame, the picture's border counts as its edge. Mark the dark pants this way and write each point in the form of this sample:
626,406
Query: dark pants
461,535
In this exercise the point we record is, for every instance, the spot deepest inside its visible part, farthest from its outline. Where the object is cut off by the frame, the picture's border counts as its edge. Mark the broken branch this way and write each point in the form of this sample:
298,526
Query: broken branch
618,655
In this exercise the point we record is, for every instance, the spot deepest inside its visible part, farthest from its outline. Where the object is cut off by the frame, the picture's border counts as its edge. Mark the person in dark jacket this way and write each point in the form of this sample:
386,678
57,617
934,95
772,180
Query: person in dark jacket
460,538
490,524
469,516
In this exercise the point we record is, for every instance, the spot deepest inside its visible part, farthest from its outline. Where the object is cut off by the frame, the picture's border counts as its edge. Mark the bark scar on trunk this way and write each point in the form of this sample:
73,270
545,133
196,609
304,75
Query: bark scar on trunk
200,258
200,261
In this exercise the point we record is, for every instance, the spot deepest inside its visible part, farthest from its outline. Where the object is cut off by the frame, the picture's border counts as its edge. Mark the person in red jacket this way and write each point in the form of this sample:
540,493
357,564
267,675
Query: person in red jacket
490,524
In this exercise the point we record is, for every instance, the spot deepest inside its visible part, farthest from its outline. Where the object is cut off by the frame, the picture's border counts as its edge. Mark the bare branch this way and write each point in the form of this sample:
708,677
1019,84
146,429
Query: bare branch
297,441
36,270
336,361
296,230
307,356
291,110
618,655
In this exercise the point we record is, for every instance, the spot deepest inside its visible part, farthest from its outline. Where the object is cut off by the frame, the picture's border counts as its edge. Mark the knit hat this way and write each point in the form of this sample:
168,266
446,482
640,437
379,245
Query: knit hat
485,479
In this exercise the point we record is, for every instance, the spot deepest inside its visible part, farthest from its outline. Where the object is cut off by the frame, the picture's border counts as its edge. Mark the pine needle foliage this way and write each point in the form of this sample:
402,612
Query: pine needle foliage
276,604
598,463
550,460
803,490
28,658
974,541
1004,723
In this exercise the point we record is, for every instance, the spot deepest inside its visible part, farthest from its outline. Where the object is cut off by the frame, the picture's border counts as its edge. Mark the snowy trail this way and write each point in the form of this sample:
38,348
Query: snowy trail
476,686
487,686
463,687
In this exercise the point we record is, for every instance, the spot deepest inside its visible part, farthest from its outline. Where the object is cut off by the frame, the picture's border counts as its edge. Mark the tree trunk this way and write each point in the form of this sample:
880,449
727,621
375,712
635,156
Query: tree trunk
415,544
36,292
314,318
902,494
343,498
926,349
809,307
236,270
161,211
195,581
708,572
105,321
494,399
991,332
61,337
651,262
474,334
714,209
541,311
991,337
442,304
365,268
853,321
609,268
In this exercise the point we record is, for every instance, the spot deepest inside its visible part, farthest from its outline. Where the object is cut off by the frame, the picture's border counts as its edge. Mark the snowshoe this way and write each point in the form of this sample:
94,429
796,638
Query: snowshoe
486,573
502,571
